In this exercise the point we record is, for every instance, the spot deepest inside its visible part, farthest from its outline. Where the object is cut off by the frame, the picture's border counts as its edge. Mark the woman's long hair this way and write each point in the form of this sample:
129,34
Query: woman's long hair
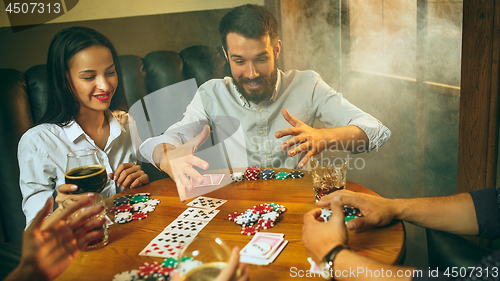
63,105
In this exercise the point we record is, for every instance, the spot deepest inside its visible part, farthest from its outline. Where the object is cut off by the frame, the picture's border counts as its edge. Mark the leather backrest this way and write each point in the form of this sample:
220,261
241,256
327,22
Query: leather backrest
202,63
133,78
162,68
15,119
36,78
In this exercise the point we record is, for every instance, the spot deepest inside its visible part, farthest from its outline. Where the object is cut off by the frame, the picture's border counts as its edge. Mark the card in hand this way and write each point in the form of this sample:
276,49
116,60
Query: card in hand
198,214
194,226
206,202
207,180
210,179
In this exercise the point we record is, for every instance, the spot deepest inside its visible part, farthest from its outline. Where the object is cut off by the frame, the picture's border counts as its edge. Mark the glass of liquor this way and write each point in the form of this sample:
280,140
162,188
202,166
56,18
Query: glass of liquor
204,258
84,170
328,174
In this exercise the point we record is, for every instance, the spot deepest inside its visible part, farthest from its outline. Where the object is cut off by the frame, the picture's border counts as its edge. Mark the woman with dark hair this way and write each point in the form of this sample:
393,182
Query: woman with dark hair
85,95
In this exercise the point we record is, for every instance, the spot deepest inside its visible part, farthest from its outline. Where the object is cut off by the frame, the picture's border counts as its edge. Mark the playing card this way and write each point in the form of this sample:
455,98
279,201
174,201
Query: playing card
217,179
168,244
207,180
261,246
206,202
314,267
187,225
259,261
198,214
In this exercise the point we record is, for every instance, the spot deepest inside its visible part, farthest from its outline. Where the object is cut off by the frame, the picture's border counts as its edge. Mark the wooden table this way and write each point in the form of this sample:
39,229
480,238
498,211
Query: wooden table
127,240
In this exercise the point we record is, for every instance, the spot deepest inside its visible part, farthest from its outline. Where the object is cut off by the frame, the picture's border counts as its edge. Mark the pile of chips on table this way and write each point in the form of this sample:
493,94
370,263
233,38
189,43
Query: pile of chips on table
133,207
158,271
262,216
349,213
254,173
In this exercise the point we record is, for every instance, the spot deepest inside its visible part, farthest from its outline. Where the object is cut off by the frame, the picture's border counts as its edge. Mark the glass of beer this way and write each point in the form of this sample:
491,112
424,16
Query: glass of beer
84,170
204,258
103,239
328,174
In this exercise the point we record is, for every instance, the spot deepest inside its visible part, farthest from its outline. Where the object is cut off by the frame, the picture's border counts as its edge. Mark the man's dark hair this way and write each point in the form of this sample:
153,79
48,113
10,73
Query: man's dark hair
249,21
62,105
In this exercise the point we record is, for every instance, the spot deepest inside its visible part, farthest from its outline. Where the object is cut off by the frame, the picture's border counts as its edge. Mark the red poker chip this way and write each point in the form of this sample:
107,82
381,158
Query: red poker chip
166,270
139,216
262,209
249,230
122,208
149,268
265,224
233,216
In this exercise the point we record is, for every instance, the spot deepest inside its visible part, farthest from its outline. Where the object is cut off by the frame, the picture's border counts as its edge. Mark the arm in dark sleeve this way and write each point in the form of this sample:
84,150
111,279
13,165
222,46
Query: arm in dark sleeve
487,212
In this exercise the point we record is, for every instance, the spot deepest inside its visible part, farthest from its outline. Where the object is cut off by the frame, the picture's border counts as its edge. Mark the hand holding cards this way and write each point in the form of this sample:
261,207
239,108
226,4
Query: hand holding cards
263,248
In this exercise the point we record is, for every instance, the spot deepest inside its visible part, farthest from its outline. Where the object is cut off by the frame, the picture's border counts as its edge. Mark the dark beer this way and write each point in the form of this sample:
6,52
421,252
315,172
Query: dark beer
91,178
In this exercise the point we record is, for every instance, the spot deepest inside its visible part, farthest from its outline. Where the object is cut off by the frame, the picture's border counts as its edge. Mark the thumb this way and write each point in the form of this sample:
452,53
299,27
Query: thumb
44,212
67,188
337,208
200,138
289,118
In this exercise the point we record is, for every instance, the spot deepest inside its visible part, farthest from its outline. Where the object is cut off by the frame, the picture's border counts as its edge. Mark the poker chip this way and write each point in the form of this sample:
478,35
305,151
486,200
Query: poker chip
139,206
262,209
139,198
348,218
280,209
139,216
123,217
122,208
246,219
249,230
165,271
265,224
127,275
267,174
169,263
148,209
121,201
153,202
282,175
188,265
296,174
233,216
272,216
149,268
325,214
252,173
143,194
156,276
351,211
237,176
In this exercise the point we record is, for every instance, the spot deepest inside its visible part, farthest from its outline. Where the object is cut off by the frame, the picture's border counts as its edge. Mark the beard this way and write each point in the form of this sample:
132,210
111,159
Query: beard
265,93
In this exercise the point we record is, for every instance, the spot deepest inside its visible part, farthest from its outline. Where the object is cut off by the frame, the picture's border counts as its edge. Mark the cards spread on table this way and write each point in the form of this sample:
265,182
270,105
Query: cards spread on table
263,248
198,214
180,232
210,179
206,202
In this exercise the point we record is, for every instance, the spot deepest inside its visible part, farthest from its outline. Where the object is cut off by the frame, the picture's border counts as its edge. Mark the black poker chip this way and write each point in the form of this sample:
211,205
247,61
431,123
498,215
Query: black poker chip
296,174
121,201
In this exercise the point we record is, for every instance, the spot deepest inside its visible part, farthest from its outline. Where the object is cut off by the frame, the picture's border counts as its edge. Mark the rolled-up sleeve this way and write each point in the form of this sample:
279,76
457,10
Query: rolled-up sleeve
487,212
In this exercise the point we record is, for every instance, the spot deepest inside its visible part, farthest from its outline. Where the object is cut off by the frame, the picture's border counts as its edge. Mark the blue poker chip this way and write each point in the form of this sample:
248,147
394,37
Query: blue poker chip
267,174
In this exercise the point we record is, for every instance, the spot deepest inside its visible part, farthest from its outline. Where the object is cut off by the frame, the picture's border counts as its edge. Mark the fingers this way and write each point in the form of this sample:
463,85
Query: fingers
120,169
232,266
44,212
305,159
87,238
337,216
289,118
67,188
200,138
312,216
346,196
82,218
143,179
88,226
244,272
124,172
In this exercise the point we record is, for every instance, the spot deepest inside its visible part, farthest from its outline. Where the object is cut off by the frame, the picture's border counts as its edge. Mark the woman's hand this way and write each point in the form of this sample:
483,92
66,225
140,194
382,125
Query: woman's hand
129,175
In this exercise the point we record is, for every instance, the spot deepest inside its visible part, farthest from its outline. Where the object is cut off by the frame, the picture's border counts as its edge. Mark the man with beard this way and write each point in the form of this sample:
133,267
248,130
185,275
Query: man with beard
261,99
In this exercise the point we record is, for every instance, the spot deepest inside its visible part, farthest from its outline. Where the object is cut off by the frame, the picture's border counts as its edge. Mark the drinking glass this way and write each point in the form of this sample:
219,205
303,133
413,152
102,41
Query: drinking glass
328,174
84,170
204,258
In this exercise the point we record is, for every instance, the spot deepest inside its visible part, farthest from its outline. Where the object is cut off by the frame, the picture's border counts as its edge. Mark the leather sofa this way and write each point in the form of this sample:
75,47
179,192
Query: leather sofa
24,97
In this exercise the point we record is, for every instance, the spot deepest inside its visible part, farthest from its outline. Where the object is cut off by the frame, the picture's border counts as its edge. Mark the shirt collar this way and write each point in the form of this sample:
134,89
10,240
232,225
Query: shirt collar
74,131
245,103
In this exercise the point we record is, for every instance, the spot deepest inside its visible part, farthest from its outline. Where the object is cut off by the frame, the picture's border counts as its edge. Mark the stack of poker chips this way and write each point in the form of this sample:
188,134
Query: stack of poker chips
252,173
262,216
349,213
133,207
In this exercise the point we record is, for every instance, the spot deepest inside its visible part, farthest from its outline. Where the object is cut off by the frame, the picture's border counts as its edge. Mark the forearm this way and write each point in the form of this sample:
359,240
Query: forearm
350,266
160,158
348,138
440,213
24,271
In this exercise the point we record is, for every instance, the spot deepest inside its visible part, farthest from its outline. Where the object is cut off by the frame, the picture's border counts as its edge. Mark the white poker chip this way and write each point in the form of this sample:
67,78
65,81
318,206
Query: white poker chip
237,176
247,219
153,202
326,214
127,275
188,265
270,216
123,217
143,194
139,206
148,209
